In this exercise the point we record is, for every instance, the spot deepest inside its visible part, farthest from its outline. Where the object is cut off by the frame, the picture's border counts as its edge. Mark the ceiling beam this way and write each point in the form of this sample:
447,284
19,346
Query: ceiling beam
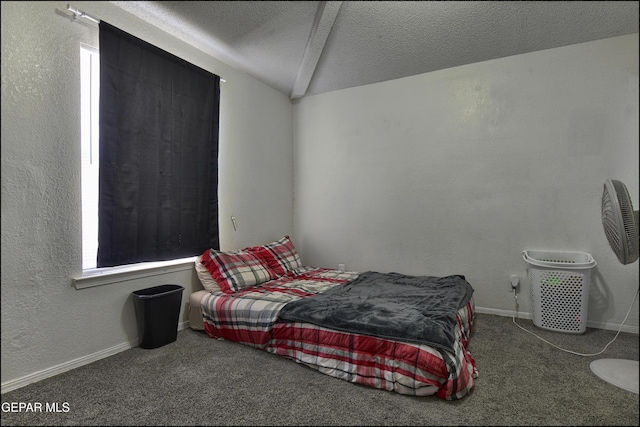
322,24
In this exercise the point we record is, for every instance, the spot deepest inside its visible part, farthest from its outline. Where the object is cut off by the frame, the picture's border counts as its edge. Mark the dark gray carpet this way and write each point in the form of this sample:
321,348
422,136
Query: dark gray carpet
200,381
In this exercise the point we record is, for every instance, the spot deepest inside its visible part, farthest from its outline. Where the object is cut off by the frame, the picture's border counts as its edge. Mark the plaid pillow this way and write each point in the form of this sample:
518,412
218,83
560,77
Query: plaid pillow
236,270
281,256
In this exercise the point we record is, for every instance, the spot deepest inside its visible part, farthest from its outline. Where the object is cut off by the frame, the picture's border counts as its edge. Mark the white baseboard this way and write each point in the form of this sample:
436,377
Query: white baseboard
503,313
64,367
590,324
72,364
613,327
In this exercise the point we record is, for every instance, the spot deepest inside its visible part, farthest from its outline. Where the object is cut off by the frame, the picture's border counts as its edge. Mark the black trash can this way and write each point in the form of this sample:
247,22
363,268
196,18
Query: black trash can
157,311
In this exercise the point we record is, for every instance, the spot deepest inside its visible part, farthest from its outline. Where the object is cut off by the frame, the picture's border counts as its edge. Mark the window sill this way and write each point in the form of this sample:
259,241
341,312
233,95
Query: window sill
105,276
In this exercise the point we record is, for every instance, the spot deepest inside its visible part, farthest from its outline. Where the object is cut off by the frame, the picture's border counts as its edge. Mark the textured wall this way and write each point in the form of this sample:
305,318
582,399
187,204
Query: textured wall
460,170
46,322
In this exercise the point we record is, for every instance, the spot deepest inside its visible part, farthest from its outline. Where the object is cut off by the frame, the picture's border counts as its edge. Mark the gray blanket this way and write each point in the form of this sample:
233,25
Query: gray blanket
416,309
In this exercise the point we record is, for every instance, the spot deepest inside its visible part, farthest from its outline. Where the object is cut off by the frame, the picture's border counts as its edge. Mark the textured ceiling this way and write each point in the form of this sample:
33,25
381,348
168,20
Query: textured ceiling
309,47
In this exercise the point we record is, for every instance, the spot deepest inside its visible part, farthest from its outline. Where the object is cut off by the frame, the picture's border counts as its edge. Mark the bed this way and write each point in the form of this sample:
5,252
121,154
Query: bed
401,333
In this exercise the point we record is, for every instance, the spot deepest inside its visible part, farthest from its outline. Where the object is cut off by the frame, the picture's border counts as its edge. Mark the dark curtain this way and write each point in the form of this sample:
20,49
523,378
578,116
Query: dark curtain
158,153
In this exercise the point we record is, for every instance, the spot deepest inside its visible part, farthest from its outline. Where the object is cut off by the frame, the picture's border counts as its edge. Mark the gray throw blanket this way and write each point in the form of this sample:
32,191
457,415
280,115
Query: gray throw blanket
416,309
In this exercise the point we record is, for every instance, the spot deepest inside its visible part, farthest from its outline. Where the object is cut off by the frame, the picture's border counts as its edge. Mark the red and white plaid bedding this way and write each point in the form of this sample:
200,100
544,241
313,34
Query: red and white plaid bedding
250,317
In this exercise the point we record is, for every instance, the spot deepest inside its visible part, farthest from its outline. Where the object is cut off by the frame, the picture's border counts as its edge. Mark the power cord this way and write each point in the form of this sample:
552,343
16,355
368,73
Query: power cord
515,298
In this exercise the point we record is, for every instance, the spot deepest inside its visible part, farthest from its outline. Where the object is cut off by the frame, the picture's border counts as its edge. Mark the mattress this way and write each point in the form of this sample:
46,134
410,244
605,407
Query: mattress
250,317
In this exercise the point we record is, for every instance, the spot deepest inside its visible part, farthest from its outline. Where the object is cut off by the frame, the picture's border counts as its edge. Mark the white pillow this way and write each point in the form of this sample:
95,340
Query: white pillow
205,277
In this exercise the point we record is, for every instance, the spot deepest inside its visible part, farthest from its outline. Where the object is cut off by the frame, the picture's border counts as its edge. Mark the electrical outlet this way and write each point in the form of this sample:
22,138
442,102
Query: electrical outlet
514,282
341,267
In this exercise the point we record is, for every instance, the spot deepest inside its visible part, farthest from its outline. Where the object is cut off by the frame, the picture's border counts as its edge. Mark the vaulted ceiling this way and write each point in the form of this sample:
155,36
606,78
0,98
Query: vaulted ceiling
311,47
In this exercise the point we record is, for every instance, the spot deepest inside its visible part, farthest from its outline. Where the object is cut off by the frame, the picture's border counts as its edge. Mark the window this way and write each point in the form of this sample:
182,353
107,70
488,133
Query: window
90,91
149,154
90,152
